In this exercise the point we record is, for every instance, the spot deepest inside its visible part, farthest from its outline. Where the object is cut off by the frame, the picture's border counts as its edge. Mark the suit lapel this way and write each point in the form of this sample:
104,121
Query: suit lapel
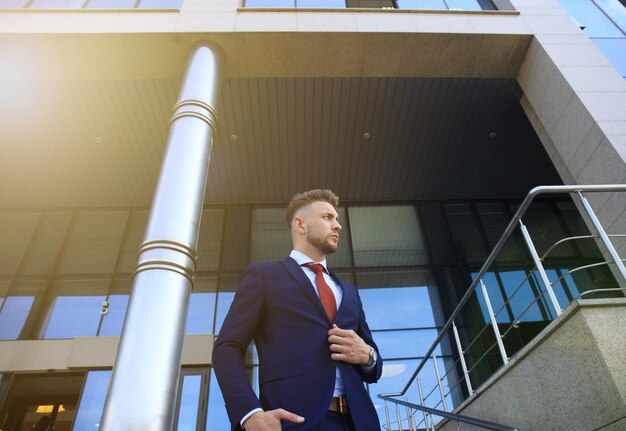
296,272
345,292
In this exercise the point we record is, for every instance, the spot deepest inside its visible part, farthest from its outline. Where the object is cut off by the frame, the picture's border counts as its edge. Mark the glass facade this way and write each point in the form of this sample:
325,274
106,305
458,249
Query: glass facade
412,261
604,21
375,4
92,4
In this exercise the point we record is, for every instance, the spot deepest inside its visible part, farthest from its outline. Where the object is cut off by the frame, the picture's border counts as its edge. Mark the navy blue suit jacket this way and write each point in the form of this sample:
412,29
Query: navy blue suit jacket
277,306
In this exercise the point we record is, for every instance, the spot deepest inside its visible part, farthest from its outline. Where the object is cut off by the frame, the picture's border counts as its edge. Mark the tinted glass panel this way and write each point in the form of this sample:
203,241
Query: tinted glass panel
94,243
227,288
335,4
53,3
111,4
16,230
464,4
134,236
189,401
270,3
91,402
46,244
76,308
202,306
13,3
615,10
217,418
414,302
210,240
405,344
422,4
24,299
161,4
387,236
118,298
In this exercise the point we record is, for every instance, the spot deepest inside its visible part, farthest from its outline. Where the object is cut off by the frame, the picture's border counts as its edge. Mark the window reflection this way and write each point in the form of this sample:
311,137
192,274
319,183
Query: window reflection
217,418
111,4
161,4
21,304
422,4
92,401
75,311
227,288
387,236
119,295
189,403
201,311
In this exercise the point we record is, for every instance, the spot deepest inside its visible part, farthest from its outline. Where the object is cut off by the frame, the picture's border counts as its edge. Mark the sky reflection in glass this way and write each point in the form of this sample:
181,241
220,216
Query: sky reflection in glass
189,401
92,401
13,316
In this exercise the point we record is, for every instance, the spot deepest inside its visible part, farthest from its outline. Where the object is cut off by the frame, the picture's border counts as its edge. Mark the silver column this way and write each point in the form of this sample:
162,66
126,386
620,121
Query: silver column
143,387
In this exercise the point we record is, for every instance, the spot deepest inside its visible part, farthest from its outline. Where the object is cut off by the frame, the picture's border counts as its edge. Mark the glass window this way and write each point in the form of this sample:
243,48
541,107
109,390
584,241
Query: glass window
387,236
422,4
16,230
405,344
589,16
271,239
111,4
465,230
463,4
13,3
75,311
91,403
227,288
119,295
217,418
95,243
161,4
331,4
189,402
615,51
270,3
24,298
615,10
46,244
134,237
370,4
410,294
210,240
52,4
201,311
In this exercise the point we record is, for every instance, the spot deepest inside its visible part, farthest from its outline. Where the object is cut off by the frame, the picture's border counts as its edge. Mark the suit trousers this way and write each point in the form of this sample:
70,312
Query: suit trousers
334,421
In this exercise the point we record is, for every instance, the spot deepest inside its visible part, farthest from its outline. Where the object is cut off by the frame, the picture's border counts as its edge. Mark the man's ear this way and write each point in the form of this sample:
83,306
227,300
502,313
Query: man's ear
299,224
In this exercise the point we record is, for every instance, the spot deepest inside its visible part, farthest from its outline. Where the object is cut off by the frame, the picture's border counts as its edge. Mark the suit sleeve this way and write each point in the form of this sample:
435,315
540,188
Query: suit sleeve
368,375
229,352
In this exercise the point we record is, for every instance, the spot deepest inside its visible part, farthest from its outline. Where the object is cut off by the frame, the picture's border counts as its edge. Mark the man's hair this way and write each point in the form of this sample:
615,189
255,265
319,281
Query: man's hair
303,199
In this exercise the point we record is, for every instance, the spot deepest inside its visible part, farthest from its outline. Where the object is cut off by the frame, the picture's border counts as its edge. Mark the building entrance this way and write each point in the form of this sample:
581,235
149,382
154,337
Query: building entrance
41,403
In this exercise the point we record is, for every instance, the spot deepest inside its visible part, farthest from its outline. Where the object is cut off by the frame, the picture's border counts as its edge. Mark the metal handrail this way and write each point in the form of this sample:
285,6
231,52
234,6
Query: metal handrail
456,417
497,248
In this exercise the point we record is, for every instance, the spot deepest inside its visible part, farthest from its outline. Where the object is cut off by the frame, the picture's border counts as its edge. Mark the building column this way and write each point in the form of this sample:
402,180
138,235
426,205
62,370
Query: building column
143,387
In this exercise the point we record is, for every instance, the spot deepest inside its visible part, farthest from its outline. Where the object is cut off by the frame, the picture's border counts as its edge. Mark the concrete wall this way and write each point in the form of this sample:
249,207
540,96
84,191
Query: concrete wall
571,377
85,352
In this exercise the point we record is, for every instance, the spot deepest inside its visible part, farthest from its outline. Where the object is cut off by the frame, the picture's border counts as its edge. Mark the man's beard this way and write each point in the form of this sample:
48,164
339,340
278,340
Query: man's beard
322,244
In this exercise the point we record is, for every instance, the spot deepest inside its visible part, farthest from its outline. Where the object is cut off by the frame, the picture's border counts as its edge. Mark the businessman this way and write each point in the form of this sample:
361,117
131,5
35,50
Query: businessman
315,348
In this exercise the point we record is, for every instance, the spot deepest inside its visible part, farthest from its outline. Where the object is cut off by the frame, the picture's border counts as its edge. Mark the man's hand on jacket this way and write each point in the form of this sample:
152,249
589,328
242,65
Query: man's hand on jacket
270,420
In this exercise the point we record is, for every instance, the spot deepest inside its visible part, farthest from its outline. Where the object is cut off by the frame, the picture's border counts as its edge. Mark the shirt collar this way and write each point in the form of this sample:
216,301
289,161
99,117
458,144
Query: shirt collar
302,258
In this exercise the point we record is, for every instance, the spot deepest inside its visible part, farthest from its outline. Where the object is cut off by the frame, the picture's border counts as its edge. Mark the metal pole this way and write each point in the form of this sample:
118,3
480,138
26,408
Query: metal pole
410,416
440,384
400,427
542,272
494,324
387,416
605,239
421,394
145,377
468,383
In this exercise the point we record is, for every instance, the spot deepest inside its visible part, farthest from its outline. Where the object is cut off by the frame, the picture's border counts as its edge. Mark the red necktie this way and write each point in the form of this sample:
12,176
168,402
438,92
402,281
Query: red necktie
326,295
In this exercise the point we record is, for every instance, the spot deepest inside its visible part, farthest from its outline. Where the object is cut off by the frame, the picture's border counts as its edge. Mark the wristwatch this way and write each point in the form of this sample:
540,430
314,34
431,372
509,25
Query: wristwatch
373,357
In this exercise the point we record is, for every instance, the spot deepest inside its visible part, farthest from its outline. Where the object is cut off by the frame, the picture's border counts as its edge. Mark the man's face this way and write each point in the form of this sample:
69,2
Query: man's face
322,226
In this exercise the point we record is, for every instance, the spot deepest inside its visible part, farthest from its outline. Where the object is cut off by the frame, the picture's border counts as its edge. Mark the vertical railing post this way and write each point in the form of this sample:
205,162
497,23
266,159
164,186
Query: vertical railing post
387,416
421,395
457,339
440,384
410,416
494,324
144,383
603,236
399,417
542,271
